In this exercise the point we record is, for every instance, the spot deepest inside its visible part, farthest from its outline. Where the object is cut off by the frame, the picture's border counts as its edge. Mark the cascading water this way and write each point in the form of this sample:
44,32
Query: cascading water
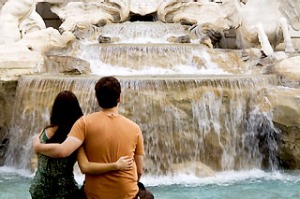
260,140
142,48
198,118
183,120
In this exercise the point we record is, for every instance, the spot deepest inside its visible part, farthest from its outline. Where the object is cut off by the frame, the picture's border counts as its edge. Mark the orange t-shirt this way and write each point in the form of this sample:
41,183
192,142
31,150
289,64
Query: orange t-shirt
106,138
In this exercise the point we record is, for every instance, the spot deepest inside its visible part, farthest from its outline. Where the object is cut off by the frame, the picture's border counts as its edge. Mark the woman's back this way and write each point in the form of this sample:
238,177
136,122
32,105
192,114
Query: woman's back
54,177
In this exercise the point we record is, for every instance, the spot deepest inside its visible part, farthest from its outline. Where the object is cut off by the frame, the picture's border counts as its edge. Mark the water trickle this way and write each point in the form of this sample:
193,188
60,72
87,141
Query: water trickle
260,140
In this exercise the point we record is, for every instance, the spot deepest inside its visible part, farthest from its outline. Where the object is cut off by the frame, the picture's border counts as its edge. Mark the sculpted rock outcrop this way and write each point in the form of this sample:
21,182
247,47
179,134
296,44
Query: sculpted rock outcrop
207,18
289,71
17,60
13,13
25,39
144,7
33,22
286,116
262,23
86,15
47,40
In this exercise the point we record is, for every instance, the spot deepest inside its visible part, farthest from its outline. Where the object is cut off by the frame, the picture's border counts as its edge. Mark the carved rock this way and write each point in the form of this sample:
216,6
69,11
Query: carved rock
88,13
47,40
67,64
286,115
180,39
17,60
12,14
144,7
289,71
268,25
289,148
104,39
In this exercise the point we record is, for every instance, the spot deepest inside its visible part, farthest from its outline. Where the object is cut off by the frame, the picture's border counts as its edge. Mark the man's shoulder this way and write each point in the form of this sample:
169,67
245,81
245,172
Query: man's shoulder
130,122
91,115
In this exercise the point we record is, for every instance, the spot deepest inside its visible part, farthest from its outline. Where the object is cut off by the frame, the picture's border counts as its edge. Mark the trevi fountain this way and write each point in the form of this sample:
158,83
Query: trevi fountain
214,86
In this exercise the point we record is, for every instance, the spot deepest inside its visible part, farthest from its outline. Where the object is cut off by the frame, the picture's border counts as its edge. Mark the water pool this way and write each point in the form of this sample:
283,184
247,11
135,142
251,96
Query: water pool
254,184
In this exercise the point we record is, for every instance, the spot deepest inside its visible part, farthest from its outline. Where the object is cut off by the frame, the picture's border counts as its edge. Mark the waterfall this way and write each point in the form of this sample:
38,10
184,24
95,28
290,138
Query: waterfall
155,59
216,120
156,48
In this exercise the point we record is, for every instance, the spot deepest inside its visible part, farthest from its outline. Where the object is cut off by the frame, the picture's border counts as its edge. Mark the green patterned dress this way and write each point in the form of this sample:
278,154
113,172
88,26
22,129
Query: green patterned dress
54,178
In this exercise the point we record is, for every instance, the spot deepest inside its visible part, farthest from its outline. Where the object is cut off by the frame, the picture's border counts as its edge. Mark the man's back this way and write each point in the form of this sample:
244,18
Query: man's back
106,138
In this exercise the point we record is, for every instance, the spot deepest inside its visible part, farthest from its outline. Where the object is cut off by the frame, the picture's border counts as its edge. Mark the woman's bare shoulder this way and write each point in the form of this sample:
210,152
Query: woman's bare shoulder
51,130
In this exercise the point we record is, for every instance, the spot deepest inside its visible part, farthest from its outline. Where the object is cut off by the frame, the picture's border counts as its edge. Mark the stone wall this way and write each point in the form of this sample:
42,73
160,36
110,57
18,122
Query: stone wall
289,147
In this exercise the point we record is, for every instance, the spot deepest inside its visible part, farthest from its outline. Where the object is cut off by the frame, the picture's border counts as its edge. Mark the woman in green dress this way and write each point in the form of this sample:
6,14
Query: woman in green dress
54,178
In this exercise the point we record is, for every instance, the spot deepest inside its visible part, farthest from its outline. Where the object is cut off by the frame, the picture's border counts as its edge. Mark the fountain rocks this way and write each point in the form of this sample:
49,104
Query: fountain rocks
210,108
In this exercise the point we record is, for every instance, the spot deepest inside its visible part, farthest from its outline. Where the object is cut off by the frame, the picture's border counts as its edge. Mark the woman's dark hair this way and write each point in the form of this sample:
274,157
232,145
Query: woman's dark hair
65,111
108,90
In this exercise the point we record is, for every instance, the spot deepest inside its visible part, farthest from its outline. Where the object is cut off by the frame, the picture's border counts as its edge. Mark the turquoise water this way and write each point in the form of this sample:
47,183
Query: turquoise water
259,189
254,184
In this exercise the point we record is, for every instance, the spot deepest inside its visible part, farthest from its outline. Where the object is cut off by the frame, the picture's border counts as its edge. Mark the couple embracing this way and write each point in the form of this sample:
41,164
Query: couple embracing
108,147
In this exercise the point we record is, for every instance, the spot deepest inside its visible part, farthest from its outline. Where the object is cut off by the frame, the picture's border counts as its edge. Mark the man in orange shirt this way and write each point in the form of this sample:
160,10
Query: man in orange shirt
105,136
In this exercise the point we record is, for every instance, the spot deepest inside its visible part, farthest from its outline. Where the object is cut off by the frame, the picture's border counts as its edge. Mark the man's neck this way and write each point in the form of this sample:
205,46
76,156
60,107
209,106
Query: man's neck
113,110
